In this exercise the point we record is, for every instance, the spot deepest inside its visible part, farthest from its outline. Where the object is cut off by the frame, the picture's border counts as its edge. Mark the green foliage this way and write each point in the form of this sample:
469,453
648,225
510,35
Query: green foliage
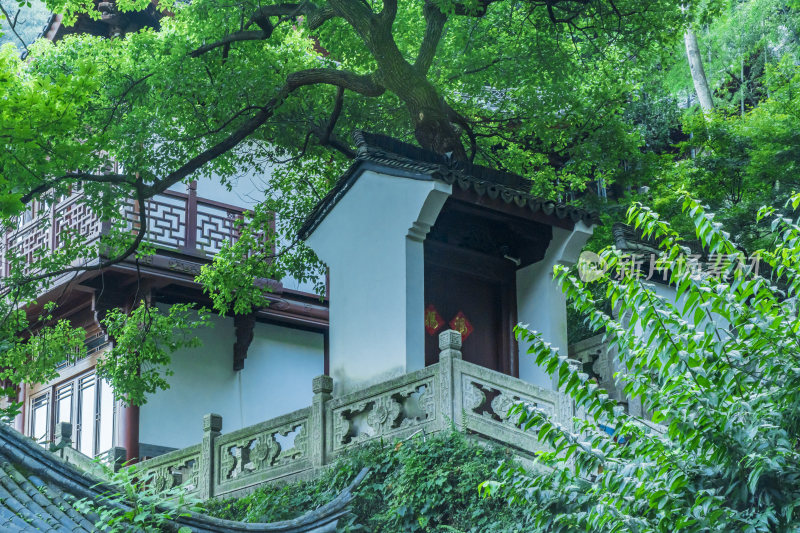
717,365
237,278
138,364
33,359
130,503
422,484
540,90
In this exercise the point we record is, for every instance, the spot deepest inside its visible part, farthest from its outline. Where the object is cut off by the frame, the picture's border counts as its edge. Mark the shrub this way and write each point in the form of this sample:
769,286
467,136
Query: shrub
422,484
718,365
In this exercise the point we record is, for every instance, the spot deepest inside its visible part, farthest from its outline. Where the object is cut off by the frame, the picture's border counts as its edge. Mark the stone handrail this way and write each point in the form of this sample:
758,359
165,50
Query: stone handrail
178,467
263,452
449,394
113,458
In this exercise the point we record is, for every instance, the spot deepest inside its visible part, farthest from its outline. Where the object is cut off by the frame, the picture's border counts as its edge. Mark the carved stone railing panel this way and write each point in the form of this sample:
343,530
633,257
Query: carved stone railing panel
251,455
388,410
486,397
601,363
173,469
184,473
265,451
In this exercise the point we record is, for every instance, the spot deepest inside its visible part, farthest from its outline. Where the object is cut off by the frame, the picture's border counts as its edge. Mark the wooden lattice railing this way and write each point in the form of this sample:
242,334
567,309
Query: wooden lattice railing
176,221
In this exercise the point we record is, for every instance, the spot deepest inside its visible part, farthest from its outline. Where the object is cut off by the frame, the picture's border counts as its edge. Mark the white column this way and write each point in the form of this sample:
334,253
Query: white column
372,243
541,304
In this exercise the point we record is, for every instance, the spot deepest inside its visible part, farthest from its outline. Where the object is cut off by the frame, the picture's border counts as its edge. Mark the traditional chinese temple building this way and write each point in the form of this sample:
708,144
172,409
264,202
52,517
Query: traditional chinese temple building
414,245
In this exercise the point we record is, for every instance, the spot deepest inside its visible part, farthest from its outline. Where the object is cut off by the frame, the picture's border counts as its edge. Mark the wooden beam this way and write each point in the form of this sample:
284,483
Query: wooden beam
244,325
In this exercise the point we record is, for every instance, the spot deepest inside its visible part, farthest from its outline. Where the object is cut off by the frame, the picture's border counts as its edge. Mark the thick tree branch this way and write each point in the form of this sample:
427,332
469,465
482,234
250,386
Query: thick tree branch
361,17
434,27
239,36
474,9
362,84
119,179
340,146
337,110
325,135
389,12
457,118
314,15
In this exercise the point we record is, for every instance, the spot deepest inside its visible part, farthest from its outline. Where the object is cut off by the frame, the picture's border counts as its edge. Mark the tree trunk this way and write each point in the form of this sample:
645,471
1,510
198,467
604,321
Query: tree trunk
435,132
430,115
698,73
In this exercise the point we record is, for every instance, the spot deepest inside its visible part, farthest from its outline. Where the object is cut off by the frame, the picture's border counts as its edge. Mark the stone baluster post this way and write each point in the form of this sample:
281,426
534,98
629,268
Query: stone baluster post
568,411
212,427
322,387
63,438
449,385
117,456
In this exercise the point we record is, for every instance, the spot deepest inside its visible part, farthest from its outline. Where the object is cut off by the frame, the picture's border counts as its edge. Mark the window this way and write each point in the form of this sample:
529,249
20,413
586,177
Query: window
84,401
105,417
64,404
84,433
40,417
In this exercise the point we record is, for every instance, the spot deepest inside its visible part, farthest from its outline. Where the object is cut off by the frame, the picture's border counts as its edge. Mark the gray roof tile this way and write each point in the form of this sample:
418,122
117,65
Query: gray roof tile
37,488
384,153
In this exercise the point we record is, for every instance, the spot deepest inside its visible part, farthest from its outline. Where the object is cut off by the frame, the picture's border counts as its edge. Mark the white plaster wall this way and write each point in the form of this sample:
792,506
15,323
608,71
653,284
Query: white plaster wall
541,304
276,379
247,189
376,277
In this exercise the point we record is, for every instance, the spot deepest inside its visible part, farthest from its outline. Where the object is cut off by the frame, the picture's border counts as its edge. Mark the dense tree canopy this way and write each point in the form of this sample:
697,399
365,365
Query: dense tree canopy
573,94
222,89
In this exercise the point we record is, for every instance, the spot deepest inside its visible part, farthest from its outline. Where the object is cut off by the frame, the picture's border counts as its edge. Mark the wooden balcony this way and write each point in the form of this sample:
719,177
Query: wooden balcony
186,230
178,222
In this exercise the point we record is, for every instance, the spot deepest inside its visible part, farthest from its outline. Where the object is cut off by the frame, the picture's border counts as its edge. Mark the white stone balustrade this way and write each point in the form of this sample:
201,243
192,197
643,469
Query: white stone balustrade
451,394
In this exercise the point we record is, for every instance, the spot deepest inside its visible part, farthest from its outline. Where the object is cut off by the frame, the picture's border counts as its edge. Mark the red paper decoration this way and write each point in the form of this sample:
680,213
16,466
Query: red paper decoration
461,324
433,320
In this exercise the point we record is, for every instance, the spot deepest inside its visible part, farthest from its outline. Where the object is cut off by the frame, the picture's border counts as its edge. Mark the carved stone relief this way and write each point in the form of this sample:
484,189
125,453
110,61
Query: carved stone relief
184,472
493,403
378,416
257,453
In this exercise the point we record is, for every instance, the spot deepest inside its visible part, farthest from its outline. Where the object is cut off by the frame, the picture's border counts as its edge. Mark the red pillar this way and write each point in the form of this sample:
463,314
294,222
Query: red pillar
19,420
130,432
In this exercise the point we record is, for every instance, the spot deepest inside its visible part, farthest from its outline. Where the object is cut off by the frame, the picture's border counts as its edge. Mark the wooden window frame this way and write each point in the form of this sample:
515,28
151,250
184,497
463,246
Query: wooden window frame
74,377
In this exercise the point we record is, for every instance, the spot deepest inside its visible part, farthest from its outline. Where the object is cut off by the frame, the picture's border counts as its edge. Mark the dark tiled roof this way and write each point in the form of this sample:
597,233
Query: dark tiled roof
36,489
629,239
381,152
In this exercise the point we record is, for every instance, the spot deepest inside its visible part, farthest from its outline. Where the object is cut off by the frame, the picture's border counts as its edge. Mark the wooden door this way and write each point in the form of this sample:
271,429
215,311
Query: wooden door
474,295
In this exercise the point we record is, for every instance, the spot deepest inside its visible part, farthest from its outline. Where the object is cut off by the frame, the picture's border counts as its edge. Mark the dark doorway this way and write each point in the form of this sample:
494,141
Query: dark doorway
472,254
473,294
